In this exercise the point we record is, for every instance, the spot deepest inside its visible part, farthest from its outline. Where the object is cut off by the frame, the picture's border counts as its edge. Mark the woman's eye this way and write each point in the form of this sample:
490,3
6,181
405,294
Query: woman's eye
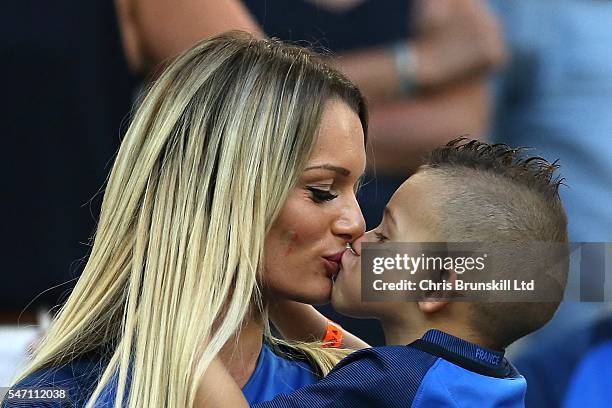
319,196
380,237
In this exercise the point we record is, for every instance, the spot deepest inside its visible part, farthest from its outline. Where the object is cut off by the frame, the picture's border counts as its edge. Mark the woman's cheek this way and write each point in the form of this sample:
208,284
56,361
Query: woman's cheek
292,242
305,233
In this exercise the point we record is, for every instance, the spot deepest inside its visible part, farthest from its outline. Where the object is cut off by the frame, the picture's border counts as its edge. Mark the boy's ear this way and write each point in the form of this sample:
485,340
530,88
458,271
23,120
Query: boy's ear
436,300
431,305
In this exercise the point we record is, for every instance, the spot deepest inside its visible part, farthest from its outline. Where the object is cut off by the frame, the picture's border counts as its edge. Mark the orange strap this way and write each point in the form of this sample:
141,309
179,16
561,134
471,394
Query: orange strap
333,335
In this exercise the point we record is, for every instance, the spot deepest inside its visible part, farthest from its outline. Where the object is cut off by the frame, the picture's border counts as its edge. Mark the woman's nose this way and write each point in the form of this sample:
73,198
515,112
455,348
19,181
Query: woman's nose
351,224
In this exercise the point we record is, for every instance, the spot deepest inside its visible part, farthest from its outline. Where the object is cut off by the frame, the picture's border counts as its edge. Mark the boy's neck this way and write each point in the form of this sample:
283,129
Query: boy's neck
399,332
403,332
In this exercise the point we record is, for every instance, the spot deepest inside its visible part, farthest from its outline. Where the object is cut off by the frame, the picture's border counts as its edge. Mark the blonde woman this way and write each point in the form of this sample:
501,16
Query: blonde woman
234,186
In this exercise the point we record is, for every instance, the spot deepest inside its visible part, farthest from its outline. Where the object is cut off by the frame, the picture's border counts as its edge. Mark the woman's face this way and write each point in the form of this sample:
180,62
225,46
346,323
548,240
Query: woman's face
304,246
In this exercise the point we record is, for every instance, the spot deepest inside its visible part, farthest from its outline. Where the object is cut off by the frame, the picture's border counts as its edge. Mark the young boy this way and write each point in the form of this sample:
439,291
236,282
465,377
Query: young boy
439,352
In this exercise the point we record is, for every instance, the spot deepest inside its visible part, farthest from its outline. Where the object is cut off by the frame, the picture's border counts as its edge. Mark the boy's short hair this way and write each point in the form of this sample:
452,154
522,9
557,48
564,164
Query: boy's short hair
496,193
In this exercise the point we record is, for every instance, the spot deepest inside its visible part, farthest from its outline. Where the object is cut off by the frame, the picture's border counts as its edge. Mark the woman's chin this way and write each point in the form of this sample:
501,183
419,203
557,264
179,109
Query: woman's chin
319,295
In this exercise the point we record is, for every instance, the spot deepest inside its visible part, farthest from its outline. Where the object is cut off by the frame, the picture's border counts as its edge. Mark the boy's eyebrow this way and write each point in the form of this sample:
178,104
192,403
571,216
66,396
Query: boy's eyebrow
360,179
389,214
340,170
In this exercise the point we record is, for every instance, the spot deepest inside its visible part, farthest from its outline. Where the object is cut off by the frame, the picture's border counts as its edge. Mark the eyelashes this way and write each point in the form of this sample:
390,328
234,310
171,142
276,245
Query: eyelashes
380,237
320,196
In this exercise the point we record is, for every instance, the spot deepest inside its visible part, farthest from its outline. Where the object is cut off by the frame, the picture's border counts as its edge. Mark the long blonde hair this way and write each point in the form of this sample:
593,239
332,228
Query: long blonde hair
205,167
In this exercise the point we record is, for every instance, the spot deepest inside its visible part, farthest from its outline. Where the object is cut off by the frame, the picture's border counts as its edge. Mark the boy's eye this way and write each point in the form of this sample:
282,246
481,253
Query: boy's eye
380,237
319,196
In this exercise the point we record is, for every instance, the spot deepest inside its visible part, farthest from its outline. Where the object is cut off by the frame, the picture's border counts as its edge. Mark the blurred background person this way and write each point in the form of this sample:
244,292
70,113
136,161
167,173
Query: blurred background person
555,95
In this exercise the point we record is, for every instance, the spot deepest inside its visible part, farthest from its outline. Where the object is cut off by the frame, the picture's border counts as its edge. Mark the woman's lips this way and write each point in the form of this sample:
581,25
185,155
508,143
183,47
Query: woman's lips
332,266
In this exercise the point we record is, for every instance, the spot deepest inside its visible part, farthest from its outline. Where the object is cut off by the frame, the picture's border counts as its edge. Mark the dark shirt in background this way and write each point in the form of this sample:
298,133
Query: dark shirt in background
66,91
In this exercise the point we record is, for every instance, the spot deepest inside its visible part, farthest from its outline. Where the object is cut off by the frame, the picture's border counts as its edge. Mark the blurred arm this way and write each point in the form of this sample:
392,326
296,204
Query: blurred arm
154,31
403,131
455,40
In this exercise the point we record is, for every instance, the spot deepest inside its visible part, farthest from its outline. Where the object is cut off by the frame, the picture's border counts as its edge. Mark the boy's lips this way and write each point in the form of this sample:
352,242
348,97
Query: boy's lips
348,260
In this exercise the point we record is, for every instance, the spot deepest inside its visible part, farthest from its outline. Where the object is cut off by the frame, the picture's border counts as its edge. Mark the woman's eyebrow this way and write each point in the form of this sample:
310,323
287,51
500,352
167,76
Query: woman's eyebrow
340,170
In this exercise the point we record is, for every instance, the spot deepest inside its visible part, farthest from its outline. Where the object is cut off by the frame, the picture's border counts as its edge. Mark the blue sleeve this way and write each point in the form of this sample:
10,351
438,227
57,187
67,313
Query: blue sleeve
590,385
385,376
548,366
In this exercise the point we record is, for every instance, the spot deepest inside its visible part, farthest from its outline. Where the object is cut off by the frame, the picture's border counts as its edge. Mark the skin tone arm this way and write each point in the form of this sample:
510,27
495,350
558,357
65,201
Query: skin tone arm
403,131
301,322
154,31
457,43
456,38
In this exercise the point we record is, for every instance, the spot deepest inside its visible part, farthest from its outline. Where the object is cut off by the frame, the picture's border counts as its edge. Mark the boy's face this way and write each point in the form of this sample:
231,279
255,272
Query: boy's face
410,216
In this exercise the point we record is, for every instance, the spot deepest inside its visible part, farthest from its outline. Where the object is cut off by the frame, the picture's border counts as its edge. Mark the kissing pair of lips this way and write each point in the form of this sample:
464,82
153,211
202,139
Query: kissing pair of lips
332,264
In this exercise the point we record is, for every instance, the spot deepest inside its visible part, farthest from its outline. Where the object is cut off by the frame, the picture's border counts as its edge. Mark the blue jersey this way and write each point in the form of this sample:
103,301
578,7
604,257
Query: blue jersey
437,370
274,374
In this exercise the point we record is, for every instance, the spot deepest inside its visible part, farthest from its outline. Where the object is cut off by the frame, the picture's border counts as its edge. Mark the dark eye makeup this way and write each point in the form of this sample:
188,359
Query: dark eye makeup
320,196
